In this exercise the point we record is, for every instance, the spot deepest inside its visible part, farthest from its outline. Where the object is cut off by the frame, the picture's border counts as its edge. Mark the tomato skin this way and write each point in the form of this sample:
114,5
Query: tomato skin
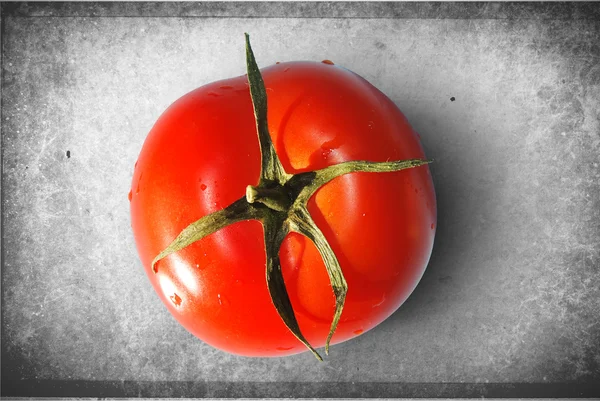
203,152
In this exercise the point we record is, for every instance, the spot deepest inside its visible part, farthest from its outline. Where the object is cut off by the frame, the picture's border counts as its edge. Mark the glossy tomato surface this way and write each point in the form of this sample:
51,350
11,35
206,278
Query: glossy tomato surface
203,152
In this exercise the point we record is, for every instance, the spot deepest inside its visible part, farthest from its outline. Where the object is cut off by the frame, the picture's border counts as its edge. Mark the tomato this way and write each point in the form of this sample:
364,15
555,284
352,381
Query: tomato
201,155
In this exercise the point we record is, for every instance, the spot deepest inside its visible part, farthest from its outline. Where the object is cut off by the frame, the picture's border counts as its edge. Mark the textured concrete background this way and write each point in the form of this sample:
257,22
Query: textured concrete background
512,292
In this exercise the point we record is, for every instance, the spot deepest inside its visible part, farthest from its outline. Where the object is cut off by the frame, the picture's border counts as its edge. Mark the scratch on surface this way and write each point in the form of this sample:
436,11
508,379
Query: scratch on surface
45,142
61,290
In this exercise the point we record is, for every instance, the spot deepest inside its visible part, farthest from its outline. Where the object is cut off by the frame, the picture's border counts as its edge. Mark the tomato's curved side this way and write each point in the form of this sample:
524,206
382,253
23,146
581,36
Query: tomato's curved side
201,155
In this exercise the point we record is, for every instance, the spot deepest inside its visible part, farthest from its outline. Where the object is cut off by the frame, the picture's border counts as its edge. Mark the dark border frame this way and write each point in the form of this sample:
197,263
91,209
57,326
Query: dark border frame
343,10
221,389
317,9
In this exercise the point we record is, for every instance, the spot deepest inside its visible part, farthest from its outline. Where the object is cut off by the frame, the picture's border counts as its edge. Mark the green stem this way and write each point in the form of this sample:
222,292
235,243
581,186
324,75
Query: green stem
275,231
238,211
271,168
323,176
302,223
273,198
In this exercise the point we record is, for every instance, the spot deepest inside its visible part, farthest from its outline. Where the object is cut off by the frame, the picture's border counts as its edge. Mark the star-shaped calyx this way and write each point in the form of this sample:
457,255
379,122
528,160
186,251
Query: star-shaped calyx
279,202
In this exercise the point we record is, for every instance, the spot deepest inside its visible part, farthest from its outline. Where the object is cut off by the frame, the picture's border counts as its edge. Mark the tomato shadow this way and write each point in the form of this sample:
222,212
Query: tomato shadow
463,195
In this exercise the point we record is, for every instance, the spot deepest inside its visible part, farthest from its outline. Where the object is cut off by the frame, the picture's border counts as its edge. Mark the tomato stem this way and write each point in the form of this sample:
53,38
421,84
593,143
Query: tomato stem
280,203
240,210
273,198
275,231
271,168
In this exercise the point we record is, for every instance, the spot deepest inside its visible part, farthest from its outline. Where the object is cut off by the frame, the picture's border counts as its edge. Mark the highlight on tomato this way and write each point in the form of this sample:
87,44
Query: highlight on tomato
285,210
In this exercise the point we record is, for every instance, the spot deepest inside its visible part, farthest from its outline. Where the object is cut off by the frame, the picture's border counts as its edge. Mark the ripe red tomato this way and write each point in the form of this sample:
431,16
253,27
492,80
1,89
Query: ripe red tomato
203,152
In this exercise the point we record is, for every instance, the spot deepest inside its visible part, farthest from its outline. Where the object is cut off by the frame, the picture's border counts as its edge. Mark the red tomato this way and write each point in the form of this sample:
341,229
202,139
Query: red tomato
203,152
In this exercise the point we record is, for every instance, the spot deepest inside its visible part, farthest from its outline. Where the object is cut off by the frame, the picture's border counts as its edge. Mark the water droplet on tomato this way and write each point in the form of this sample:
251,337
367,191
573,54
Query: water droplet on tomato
277,62
222,300
203,187
327,62
359,331
269,89
176,299
326,152
135,165
432,226
213,94
284,348
225,87
287,69
326,149
129,196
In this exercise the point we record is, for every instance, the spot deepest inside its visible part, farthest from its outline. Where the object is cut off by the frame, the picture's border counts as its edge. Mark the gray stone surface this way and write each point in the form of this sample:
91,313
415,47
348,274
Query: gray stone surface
512,292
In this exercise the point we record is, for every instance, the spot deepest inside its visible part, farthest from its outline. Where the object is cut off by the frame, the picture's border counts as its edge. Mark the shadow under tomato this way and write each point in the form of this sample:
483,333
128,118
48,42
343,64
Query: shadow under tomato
463,204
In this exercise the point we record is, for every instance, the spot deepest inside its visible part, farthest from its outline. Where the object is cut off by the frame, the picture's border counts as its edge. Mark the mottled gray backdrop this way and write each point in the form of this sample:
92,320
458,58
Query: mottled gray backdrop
507,101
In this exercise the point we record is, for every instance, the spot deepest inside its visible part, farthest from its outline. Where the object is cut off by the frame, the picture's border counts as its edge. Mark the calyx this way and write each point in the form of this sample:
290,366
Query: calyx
279,202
